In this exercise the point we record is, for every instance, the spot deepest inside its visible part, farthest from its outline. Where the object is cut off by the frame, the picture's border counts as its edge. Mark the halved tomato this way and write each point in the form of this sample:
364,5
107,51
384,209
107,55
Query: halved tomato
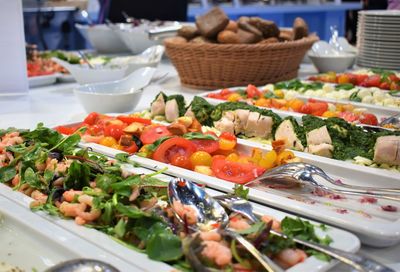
368,119
172,147
152,134
65,130
91,118
115,131
235,171
209,146
252,91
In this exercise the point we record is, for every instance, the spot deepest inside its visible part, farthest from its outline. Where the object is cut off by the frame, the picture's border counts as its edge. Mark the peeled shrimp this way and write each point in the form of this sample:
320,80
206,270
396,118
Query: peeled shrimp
290,257
70,195
217,252
276,225
39,197
185,211
238,223
92,139
15,180
71,209
91,215
210,236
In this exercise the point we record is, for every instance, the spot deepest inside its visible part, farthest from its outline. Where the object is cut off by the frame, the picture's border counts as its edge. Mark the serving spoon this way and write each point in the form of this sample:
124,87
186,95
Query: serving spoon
87,265
209,213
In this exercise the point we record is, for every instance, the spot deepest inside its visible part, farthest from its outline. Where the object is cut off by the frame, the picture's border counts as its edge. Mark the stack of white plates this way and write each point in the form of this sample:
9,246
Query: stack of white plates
378,36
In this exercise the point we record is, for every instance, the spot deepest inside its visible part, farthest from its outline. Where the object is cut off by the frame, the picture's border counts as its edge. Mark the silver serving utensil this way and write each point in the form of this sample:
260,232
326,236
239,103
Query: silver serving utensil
87,265
361,263
86,15
85,59
303,174
210,213
393,120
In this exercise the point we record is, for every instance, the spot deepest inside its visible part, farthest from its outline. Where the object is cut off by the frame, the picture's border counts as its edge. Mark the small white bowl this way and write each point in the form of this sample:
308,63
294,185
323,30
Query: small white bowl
116,68
334,63
103,38
117,96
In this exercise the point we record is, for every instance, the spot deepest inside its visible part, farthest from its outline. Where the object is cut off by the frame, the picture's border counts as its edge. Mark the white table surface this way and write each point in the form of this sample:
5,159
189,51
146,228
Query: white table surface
56,104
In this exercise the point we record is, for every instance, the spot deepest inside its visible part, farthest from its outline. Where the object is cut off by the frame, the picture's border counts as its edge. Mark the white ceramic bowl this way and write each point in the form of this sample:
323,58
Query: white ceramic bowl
116,68
334,63
116,96
103,38
135,38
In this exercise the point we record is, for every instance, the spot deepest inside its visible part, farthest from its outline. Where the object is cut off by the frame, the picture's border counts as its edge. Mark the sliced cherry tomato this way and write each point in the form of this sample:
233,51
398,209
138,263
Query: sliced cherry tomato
152,134
209,146
348,116
91,118
176,145
394,78
368,119
65,130
227,141
306,108
373,81
130,119
252,91
94,130
130,149
114,131
234,171
318,107
181,161
361,79
384,86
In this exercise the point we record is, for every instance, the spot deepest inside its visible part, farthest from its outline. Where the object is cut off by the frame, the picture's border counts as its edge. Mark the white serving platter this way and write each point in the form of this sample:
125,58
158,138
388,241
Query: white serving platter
29,241
341,239
368,221
38,81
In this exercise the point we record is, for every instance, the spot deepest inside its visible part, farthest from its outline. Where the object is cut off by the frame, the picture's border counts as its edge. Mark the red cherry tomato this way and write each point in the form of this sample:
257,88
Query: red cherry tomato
349,116
130,119
209,146
91,118
173,146
395,86
368,119
65,130
114,131
94,130
384,86
306,109
361,79
130,149
152,134
394,78
234,171
181,161
252,91
373,81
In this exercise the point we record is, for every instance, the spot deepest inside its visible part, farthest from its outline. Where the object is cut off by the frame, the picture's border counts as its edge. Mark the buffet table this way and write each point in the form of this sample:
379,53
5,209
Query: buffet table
56,104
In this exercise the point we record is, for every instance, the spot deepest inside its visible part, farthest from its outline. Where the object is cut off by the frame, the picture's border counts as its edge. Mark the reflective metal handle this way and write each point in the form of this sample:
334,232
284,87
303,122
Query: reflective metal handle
266,262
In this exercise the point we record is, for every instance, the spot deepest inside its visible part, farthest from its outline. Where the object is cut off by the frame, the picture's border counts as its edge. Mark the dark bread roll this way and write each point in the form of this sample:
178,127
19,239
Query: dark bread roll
248,37
248,27
228,36
286,35
211,23
188,32
300,28
268,28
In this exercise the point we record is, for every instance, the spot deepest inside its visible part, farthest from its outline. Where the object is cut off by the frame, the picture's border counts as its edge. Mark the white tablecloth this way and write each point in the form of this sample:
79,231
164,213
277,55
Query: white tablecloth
56,104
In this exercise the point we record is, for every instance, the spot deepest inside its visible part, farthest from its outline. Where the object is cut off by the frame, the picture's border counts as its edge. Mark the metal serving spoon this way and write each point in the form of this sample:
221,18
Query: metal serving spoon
361,263
210,213
393,120
79,265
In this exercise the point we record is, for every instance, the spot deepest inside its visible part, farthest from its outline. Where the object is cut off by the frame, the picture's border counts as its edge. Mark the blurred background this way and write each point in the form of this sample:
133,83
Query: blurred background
51,23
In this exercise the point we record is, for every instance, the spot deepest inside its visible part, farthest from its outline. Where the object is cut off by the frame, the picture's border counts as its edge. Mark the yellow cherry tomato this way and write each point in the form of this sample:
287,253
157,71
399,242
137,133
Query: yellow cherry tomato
226,144
243,160
284,156
201,158
343,78
234,97
233,157
279,93
329,114
117,146
256,155
108,141
202,169
268,160
262,102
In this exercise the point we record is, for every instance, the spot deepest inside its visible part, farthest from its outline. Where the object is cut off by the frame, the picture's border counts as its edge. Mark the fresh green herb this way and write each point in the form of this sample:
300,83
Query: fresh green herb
345,86
255,228
240,191
122,157
354,97
202,110
199,136
164,246
78,176
7,173
269,95
152,147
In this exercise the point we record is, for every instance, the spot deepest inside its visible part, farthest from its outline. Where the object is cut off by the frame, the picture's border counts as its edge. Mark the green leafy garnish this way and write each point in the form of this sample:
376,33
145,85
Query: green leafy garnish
240,191
199,136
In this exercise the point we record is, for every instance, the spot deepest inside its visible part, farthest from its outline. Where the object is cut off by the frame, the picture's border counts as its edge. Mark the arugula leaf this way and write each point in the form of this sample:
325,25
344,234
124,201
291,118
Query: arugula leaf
199,136
43,135
78,176
124,187
269,95
7,173
255,228
122,157
120,228
33,179
164,246
152,147
131,212
240,191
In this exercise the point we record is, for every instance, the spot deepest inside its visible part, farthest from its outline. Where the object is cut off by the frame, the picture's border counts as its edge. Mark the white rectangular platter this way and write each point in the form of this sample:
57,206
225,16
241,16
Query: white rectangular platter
119,255
369,221
38,81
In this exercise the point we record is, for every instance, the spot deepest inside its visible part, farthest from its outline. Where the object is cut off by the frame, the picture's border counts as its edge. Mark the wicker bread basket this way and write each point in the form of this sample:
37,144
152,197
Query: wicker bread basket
212,66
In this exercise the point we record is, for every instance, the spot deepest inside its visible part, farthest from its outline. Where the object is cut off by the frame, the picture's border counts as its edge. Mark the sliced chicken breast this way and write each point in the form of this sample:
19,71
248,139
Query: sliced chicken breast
285,131
319,136
241,117
158,106
190,113
264,126
171,110
323,149
251,125
225,125
387,150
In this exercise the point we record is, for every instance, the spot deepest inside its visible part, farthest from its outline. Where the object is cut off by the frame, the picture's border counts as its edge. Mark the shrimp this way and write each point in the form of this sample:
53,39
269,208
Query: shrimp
148,203
70,195
135,193
276,225
219,253
92,139
210,236
26,189
62,167
89,216
238,223
15,180
290,257
185,211
71,209
39,196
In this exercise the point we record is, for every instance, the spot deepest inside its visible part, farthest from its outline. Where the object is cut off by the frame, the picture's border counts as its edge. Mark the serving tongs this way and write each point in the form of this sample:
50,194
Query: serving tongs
303,174
161,32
